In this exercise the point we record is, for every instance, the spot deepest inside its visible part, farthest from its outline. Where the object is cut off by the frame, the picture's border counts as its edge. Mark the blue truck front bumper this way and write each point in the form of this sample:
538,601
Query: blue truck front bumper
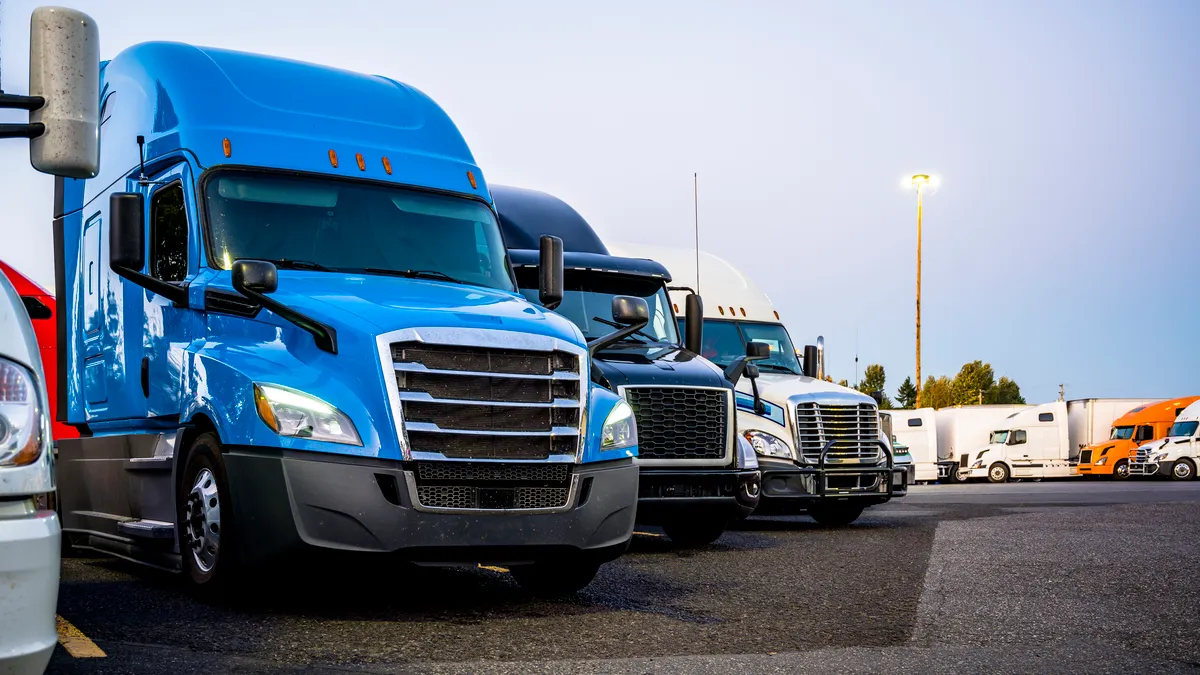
287,501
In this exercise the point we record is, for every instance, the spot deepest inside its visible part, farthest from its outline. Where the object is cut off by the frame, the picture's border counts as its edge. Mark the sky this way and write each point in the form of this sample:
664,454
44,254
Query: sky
1062,245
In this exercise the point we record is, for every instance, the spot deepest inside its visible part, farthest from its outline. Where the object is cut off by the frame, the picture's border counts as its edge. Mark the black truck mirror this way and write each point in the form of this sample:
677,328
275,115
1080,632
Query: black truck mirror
755,351
258,276
693,325
810,361
126,232
550,272
878,396
628,310
758,350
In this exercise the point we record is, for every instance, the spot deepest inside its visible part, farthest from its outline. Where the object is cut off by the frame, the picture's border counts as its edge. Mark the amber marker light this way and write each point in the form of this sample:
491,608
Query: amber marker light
362,166
226,147
333,158
387,166
471,177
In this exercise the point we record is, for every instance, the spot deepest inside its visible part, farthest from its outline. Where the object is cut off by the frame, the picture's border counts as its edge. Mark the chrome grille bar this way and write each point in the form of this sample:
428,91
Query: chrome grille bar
856,425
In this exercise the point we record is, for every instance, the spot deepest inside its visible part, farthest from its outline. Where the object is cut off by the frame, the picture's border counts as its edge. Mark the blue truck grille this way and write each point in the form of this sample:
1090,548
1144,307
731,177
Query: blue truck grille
486,403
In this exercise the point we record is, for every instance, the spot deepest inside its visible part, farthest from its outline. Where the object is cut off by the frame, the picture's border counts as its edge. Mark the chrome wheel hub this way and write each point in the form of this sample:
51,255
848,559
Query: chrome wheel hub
1183,470
997,473
202,521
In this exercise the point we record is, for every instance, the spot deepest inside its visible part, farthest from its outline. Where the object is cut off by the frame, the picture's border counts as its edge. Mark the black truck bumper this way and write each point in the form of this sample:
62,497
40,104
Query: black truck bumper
789,488
287,501
666,492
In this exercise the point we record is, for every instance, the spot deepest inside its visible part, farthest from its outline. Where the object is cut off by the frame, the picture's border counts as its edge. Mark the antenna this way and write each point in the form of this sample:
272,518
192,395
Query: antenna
696,205
142,179
1062,389
856,355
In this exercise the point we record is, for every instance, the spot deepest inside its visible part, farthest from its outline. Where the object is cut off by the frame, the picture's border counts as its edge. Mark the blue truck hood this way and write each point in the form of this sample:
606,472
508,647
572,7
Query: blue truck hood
380,304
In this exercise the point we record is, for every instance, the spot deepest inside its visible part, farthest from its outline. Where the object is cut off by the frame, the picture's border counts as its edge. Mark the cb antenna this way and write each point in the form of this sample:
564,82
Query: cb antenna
696,205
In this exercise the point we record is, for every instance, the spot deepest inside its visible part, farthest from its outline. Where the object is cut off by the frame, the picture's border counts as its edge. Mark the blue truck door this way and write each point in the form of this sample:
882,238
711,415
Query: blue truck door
172,256
95,366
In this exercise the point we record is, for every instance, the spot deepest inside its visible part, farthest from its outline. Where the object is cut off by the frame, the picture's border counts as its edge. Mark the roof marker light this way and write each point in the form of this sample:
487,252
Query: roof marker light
226,147
471,177
721,310
362,166
675,306
776,315
387,166
743,310
333,158
731,312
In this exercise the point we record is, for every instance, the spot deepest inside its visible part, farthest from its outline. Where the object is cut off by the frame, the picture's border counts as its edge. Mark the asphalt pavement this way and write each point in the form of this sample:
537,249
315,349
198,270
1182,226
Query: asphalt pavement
1079,576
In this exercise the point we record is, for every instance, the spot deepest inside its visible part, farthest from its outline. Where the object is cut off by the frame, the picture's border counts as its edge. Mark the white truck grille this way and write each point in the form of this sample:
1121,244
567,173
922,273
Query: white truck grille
855,426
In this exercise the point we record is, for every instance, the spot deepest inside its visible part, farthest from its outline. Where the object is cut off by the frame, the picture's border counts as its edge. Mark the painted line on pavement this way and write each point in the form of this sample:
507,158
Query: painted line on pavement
75,642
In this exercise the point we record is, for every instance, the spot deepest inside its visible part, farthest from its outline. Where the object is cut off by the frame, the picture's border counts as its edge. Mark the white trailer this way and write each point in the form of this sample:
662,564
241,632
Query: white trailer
918,430
1041,442
963,429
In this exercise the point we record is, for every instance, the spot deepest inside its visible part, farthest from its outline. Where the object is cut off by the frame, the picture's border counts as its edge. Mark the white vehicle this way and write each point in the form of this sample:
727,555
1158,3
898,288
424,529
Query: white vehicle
1041,442
29,538
797,414
64,140
1091,419
962,429
1177,455
918,430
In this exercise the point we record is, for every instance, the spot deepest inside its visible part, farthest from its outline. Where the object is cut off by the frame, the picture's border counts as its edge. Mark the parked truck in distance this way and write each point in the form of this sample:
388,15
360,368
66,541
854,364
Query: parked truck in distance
696,473
937,437
1177,455
821,447
289,322
1043,441
1139,426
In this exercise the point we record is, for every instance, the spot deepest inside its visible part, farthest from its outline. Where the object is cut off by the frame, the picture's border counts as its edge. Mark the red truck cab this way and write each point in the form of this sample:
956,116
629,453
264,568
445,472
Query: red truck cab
39,303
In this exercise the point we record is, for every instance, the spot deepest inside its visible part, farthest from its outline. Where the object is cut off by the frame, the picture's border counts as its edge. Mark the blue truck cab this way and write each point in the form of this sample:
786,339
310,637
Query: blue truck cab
697,473
288,320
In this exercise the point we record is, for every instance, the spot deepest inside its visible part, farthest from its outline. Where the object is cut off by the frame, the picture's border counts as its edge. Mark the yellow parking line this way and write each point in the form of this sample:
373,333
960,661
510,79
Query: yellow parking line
502,570
648,534
75,642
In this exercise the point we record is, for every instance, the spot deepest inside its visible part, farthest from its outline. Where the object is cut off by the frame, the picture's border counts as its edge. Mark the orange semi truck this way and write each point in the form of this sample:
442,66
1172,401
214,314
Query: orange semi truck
1138,426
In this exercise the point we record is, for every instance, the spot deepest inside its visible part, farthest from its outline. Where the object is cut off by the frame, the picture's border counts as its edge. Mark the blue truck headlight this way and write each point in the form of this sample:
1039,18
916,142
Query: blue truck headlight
292,413
620,431
766,444
20,416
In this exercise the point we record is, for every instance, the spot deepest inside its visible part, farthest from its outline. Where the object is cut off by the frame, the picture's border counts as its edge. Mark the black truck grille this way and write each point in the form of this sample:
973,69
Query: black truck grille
1085,457
680,422
857,426
486,403
480,485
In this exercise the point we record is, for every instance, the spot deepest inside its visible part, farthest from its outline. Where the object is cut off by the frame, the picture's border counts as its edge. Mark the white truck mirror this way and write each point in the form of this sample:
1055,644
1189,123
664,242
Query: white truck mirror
64,71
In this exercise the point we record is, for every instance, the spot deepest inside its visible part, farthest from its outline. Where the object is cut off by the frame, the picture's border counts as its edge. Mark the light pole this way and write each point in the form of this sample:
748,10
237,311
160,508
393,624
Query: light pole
919,181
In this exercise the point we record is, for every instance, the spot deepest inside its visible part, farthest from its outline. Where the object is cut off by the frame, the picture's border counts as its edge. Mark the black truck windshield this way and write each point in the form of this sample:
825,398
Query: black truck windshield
313,223
587,302
724,341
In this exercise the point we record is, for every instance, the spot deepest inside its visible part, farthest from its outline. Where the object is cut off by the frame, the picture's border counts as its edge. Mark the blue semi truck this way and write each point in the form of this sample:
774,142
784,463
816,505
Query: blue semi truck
287,319
697,472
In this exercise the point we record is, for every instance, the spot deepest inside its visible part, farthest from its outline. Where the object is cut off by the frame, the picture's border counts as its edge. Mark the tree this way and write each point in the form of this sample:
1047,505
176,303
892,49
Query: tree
906,395
843,383
973,382
937,393
875,379
1005,391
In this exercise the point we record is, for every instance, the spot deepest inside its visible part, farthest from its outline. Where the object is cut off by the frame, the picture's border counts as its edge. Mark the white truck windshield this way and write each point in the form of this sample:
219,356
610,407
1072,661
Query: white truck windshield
724,341
998,437
309,222
1183,429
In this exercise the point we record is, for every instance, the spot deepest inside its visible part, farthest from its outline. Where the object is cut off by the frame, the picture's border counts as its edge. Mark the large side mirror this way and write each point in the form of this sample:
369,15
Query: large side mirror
126,231
810,361
693,324
628,310
258,276
758,350
550,272
755,351
878,396
64,73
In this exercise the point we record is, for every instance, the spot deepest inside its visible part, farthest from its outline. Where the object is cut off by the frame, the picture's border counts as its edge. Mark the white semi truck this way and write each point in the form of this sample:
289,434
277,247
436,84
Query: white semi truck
1177,455
1043,441
821,447
937,437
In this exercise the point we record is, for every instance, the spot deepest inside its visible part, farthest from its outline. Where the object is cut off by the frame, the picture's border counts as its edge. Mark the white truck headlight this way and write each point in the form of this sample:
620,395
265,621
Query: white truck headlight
766,444
620,430
977,465
20,416
1159,457
1101,461
292,413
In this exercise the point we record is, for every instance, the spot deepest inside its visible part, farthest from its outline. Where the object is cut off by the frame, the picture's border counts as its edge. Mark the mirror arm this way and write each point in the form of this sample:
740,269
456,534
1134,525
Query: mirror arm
734,371
324,336
758,404
176,294
596,344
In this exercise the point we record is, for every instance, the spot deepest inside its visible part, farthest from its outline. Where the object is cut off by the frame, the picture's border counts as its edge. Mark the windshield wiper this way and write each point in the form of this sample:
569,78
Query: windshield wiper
646,336
286,264
415,274
775,367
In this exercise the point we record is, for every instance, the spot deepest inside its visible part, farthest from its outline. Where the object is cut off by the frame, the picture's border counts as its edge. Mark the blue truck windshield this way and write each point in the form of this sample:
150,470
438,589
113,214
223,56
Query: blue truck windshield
587,302
724,341
344,226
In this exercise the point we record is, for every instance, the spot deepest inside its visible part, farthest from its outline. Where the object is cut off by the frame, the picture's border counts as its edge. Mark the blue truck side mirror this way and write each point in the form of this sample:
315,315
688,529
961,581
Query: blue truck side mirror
550,272
127,246
259,276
